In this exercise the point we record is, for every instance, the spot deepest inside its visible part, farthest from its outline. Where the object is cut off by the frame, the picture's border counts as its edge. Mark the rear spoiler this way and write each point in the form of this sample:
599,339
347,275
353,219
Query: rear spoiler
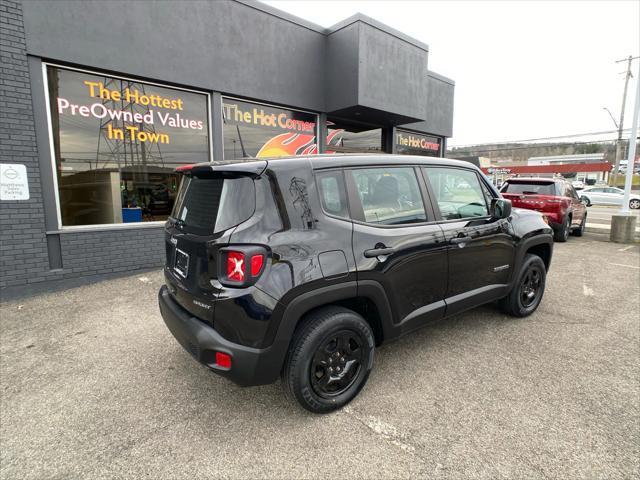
230,169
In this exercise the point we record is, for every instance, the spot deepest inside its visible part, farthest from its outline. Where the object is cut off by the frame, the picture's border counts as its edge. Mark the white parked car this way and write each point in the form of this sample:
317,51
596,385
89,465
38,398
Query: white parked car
607,196
578,184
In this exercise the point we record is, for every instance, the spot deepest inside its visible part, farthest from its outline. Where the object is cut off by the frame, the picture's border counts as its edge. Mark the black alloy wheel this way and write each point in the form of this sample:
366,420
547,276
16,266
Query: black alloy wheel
526,294
329,359
337,363
530,286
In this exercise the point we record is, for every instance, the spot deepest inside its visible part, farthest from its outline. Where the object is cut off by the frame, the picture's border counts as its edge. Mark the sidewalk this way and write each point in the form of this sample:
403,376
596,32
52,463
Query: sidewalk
599,219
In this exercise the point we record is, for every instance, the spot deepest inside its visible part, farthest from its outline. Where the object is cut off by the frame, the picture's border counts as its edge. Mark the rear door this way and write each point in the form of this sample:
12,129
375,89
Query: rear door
596,195
481,250
396,242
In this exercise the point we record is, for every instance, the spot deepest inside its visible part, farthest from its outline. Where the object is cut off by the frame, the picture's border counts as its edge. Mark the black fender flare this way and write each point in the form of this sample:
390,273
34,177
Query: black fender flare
305,302
525,245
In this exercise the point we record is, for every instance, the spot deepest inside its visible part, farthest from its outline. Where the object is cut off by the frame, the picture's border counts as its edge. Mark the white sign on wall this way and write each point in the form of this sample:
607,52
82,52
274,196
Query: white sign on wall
14,184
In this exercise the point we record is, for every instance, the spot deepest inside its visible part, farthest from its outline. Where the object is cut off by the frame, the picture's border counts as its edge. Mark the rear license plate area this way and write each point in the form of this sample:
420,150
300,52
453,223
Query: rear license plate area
181,265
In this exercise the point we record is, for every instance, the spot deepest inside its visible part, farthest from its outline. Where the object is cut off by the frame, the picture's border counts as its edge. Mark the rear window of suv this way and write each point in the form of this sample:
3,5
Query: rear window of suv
209,205
531,188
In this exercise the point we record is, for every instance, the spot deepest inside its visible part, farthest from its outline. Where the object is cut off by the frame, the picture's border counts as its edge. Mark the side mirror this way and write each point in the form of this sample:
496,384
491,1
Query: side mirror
500,208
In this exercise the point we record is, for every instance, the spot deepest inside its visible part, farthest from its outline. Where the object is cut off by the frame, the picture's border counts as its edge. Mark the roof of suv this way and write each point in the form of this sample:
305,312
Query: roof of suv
534,179
345,160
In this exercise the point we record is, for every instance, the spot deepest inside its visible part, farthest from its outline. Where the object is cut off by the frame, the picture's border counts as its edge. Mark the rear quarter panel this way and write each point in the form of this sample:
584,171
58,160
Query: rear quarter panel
289,221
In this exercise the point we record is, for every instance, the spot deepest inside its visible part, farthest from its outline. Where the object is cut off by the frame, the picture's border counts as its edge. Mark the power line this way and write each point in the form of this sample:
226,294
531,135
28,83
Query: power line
457,150
538,139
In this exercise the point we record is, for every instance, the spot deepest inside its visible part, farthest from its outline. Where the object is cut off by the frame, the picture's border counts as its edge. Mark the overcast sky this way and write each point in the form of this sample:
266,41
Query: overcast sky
522,69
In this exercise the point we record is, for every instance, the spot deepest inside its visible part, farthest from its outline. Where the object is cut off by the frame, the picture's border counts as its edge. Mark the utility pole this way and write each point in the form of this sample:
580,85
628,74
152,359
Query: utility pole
623,225
627,76
633,139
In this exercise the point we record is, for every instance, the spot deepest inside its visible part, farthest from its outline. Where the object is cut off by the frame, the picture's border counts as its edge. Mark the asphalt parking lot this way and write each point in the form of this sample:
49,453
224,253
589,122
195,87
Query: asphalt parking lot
93,385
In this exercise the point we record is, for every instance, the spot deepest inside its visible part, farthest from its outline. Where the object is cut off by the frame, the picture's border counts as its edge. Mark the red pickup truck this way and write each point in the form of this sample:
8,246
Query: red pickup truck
555,198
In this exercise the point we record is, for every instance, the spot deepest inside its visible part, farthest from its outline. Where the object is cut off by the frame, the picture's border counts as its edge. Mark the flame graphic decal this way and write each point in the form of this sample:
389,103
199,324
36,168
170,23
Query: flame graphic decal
293,143
288,144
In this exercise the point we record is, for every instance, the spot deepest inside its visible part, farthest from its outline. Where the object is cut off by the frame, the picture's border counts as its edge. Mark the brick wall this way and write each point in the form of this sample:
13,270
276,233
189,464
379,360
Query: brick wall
91,253
23,244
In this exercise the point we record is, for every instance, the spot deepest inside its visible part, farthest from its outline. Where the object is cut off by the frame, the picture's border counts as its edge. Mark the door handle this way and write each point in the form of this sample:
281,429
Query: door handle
459,240
377,252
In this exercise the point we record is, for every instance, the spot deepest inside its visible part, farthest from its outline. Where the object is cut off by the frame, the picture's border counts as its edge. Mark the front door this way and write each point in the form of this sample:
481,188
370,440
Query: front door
481,250
396,242
613,196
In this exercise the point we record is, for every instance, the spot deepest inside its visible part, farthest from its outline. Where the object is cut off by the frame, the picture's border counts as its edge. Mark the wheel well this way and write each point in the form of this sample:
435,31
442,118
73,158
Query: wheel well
364,307
369,311
543,251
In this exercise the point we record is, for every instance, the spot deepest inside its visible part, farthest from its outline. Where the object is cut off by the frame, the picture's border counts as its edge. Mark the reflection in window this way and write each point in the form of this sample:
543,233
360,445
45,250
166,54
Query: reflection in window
262,131
458,193
411,143
117,143
344,139
389,196
332,193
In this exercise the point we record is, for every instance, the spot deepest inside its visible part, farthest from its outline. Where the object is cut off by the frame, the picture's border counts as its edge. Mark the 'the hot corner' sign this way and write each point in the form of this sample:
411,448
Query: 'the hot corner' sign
14,184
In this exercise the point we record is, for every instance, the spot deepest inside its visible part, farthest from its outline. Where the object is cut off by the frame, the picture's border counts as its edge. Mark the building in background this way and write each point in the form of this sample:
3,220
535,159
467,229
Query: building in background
586,168
101,101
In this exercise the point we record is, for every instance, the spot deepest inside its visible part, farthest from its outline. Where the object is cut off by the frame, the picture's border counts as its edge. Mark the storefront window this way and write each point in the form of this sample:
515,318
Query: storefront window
342,139
259,131
411,143
117,143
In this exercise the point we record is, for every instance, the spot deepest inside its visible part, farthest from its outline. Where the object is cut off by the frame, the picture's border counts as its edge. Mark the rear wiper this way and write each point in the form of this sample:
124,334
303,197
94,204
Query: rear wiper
180,224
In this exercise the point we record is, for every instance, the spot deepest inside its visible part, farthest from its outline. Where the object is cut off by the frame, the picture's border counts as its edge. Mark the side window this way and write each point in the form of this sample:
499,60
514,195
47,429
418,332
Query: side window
458,192
488,196
569,191
573,192
389,196
333,193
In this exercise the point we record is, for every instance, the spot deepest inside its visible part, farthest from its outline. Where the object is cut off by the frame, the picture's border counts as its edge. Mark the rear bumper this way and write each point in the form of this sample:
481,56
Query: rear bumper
249,366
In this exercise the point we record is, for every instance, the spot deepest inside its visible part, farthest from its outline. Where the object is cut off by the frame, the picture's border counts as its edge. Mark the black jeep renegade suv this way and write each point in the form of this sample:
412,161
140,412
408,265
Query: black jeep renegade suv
300,267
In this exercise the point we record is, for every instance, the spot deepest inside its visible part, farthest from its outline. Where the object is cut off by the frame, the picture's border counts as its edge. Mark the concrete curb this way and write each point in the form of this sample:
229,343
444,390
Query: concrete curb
605,229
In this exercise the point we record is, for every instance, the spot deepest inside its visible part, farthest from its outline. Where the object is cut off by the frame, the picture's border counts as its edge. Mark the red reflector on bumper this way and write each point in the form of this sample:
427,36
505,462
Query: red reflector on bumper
223,360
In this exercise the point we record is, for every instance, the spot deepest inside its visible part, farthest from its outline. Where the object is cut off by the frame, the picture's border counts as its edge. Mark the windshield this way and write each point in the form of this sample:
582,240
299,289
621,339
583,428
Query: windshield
530,188
209,205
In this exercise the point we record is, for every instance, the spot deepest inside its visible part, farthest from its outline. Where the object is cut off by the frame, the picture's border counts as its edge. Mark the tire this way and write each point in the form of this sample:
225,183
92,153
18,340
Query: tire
521,301
580,230
331,338
634,203
562,234
586,201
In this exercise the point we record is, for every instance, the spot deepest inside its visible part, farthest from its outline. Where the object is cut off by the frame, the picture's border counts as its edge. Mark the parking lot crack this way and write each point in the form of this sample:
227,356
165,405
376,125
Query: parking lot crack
384,430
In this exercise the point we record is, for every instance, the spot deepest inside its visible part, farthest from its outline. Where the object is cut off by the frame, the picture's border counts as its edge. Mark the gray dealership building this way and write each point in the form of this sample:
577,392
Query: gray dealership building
100,102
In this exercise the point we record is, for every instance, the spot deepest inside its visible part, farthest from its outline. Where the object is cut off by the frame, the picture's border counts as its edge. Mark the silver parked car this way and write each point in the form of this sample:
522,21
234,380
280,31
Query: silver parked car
607,196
